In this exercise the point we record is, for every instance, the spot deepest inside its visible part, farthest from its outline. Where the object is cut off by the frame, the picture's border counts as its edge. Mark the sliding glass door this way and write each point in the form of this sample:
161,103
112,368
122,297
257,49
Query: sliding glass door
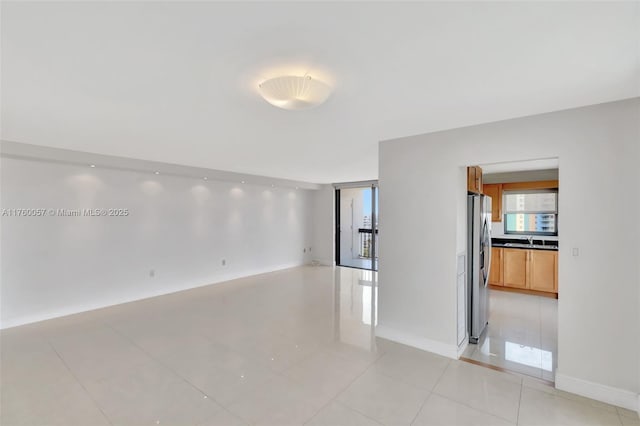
357,227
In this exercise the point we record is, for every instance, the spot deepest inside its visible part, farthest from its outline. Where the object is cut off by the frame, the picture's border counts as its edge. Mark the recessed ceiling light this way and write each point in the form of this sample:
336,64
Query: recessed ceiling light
92,165
205,178
157,172
241,181
273,186
294,92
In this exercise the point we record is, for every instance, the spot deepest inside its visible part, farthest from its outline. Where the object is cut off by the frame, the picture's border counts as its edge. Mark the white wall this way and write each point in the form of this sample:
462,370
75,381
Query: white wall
599,302
323,225
180,227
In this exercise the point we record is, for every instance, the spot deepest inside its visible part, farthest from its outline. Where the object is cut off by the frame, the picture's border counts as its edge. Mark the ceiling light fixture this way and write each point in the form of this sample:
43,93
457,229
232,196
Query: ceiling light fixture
92,166
294,92
156,172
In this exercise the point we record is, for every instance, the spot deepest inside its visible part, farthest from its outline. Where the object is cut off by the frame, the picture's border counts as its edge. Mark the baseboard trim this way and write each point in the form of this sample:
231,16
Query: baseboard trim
604,393
463,347
72,310
325,262
449,351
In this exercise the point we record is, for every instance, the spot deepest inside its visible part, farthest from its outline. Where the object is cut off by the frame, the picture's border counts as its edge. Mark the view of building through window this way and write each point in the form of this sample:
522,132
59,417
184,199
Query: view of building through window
531,212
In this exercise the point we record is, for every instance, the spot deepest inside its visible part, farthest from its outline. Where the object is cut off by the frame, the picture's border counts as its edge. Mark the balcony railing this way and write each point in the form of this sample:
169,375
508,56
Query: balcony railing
365,242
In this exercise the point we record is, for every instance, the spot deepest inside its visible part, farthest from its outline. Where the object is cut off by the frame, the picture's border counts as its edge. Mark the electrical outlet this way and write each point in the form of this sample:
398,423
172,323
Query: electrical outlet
224,262
152,273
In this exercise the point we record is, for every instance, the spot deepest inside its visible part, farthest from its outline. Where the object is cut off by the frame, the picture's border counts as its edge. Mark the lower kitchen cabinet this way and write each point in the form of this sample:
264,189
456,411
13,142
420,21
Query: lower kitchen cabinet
543,270
535,270
515,268
495,273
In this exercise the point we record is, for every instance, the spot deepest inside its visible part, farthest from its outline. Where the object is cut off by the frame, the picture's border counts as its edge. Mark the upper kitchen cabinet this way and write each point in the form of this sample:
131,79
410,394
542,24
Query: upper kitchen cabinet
494,190
474,179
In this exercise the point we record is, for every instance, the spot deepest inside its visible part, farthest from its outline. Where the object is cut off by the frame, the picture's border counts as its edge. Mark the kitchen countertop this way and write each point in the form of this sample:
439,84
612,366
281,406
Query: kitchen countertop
523,243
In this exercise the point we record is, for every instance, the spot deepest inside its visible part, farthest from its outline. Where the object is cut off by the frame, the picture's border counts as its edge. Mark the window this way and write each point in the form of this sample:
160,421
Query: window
531,212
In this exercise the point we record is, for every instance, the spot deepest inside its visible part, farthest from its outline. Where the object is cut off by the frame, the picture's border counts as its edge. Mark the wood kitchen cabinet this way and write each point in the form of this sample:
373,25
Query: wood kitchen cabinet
543,270
535,270
474,179
495,273
515,267
494,190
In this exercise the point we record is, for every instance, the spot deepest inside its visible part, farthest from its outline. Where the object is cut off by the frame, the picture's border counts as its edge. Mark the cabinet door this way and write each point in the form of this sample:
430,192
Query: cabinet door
495,274
515,268
542,270
474,179
472,182
494,190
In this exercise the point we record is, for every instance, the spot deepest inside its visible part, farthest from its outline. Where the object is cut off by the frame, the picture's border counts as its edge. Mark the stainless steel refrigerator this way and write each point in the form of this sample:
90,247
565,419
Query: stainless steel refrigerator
479,263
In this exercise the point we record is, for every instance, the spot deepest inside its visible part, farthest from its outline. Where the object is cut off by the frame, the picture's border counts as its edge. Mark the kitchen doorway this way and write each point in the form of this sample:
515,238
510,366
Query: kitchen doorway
521,333
357,225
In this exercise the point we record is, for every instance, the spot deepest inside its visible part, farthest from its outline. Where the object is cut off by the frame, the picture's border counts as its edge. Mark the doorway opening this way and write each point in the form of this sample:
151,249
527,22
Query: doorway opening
518,272
357,225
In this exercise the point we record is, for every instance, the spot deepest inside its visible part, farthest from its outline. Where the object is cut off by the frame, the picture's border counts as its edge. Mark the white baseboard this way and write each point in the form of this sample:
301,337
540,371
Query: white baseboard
608,394
450,351
72,310
463,346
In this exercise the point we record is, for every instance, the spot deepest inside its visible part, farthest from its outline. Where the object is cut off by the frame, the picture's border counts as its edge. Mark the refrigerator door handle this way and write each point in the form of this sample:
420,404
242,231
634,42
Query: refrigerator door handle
486,237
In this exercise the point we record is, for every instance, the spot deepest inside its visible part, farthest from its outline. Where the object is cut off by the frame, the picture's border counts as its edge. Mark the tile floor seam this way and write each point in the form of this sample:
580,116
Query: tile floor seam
519,402
421,408
403,381
635,416
98,406
566,398
335,397
469,406
345,406
540,332
177,374
430,392
579,403
444,370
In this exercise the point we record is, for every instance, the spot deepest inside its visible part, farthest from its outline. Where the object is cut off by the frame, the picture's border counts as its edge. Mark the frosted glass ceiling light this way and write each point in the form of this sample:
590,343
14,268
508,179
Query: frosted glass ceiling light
293,92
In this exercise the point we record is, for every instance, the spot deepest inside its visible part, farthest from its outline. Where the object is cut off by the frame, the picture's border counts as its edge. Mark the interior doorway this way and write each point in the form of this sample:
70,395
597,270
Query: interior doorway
357,225
522,288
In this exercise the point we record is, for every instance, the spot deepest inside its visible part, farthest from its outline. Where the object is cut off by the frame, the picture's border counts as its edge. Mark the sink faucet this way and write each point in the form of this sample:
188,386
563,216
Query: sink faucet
530,239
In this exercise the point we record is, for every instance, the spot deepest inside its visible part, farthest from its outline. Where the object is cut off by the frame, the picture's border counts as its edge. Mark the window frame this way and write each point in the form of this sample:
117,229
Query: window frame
531,191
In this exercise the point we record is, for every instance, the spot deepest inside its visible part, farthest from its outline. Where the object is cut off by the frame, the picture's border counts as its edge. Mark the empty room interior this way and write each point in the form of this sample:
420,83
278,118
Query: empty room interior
320,213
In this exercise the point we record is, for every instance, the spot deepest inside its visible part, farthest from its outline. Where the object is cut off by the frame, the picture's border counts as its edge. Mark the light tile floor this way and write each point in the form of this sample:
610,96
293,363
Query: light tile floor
285,348
522,335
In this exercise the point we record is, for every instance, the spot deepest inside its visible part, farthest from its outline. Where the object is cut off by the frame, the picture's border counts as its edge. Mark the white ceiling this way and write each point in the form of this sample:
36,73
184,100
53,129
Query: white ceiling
176,82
